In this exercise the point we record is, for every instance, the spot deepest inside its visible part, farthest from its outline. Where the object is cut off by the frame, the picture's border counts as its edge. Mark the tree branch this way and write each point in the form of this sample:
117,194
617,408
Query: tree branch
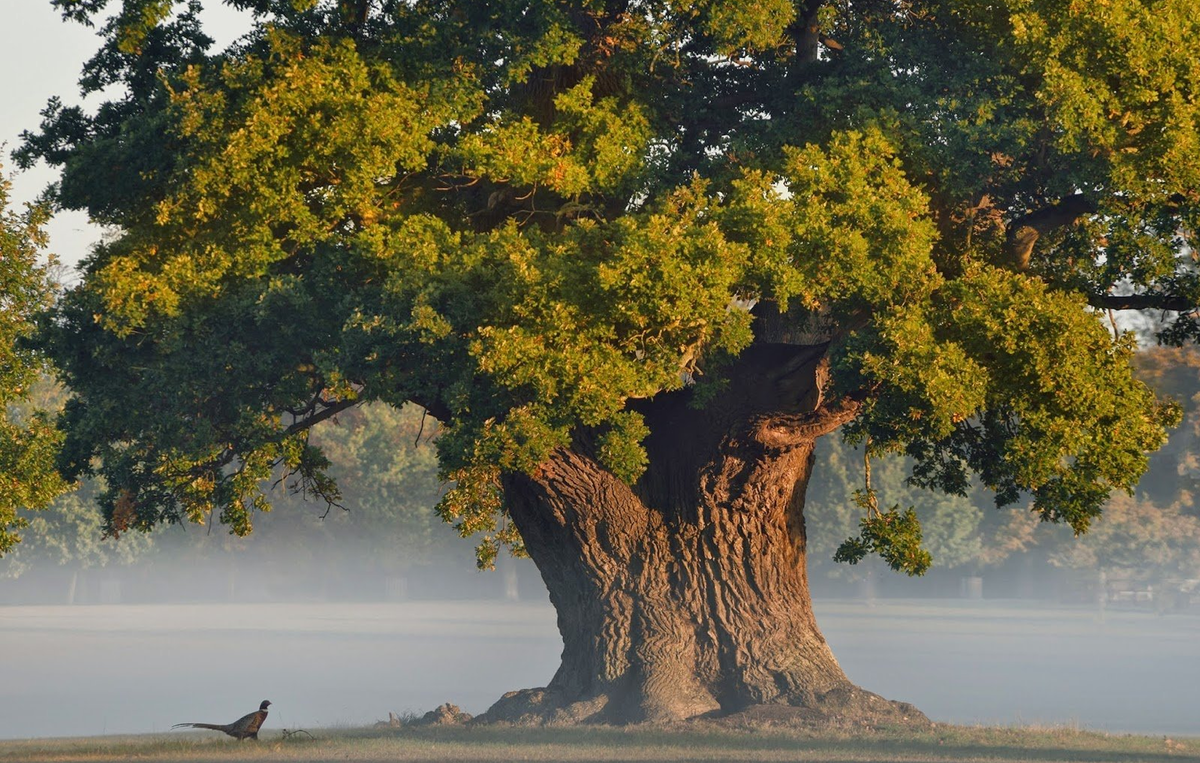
1024,231
330,411
781,431
433,406
1148,301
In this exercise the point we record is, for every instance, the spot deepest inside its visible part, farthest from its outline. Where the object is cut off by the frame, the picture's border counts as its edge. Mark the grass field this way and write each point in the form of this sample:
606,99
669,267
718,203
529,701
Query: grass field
506,744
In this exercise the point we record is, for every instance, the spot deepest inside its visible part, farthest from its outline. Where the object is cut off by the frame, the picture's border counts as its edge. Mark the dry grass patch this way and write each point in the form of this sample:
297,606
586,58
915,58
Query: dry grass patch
687,743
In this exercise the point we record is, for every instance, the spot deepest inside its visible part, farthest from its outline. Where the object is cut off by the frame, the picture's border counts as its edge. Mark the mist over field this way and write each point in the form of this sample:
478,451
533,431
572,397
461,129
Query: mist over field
131,668
343,617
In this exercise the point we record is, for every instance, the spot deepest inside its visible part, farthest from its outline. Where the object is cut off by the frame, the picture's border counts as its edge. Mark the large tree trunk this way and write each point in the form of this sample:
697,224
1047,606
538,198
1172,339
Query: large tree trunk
686,594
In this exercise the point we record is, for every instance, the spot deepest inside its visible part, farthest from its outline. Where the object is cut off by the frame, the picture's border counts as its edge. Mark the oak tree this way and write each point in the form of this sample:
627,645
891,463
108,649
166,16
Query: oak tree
636,257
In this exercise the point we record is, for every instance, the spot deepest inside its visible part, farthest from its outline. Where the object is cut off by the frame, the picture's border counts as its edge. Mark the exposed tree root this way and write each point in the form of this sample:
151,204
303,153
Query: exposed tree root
845,708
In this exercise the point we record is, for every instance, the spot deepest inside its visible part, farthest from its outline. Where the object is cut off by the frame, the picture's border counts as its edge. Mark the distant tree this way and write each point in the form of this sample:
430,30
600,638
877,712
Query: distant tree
385,520
1174,472
636,258
29,439
1154,537
382,523
388,481
1138,541
68,534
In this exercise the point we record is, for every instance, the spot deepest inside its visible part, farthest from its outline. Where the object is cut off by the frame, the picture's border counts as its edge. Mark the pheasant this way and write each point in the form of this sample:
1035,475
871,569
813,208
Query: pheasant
245,727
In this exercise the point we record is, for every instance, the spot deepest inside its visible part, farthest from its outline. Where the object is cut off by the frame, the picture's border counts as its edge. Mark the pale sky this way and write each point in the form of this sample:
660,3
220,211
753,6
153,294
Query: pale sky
40,56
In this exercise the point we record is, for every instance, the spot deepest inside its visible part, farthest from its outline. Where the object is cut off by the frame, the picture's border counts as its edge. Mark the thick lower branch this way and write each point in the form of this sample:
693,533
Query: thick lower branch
1025,231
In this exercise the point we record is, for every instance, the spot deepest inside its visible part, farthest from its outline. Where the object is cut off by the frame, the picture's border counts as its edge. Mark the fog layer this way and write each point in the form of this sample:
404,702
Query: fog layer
96,669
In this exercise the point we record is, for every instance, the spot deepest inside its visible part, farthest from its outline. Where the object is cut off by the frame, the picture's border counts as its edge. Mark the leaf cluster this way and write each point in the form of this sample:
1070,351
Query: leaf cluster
894,535
1061,418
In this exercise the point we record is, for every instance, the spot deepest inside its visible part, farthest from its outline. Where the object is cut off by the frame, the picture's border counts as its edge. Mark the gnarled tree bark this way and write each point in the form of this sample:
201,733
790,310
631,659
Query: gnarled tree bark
686,594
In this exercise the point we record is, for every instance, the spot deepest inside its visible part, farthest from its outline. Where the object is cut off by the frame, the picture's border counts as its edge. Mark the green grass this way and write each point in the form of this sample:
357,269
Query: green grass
691,743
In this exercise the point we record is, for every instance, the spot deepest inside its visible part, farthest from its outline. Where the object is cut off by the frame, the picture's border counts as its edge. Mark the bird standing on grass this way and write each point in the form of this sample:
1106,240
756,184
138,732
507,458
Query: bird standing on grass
245,727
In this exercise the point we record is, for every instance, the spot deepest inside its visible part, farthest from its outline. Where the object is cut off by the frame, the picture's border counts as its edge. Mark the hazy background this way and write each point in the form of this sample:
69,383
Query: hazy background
342,619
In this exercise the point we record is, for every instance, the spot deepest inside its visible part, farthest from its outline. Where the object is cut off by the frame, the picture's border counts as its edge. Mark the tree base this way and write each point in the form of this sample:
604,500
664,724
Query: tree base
846,708
546,707
841,709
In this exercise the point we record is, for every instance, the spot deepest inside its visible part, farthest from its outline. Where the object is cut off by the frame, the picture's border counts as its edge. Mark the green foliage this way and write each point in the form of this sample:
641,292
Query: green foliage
1150,537
598,149
1117,79
894,535
1018,383
29,441
843,230
620,447
740,27
525,215
475,506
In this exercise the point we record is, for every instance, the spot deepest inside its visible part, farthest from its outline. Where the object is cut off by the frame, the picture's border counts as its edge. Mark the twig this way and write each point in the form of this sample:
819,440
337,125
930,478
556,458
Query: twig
421,431
872,506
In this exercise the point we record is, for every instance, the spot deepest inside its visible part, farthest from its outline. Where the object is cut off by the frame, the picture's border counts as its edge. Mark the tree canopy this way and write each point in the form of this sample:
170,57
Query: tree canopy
528,215
28,438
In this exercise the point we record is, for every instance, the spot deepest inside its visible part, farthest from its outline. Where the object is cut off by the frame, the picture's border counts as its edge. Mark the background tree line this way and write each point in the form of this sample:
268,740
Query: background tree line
381,530
384,537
